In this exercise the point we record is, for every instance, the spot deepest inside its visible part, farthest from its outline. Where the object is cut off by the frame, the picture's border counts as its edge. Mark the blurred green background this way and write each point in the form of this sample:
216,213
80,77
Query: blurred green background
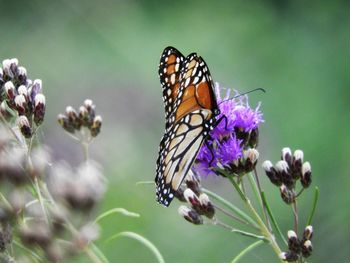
109,51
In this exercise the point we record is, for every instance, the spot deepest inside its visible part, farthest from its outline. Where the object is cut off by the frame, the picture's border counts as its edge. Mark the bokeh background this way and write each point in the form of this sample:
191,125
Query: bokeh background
109,51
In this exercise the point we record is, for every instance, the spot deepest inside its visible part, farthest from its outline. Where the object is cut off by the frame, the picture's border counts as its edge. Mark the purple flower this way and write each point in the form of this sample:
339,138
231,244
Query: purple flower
233,134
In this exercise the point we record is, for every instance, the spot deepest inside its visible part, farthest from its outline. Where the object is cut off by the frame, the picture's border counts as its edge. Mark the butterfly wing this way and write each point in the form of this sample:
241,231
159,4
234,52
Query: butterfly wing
170,65
194,115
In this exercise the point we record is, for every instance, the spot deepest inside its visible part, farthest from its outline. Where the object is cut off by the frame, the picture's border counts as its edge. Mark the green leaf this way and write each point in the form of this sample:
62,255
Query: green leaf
246,250
142,240
116,210
231,206
314,205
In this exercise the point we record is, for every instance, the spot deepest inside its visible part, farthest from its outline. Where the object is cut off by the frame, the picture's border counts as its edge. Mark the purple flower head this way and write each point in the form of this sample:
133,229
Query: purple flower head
224,147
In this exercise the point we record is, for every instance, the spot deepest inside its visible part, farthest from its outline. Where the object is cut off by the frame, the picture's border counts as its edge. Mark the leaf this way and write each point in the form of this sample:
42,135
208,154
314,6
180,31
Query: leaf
116,210
314,204
246,250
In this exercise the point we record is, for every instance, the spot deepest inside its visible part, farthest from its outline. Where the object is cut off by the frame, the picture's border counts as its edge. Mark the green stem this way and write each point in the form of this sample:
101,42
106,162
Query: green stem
296,218
273,219
246,250
264,230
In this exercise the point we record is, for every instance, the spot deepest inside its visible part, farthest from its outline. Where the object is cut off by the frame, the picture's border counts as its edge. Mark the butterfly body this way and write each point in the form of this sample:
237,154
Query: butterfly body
190,111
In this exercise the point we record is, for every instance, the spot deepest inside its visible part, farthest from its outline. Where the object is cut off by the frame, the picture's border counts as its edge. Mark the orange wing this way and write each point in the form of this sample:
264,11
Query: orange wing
192,118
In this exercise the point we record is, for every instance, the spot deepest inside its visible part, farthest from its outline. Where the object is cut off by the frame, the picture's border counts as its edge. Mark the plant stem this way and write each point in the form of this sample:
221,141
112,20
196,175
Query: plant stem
94,258
264,230
85,146
296,218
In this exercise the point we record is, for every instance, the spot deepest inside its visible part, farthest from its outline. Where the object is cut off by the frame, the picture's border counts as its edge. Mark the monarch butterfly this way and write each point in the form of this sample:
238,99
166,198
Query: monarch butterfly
190,113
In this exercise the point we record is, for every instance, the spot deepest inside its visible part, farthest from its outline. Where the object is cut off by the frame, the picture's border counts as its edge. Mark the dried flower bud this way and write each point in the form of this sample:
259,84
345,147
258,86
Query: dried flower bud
96,126
308,232
39,108
54,253
287,155
306,248
287,195
36,233
207,206
271,173
24,126
65,123
284,173
190,215
306,175
21,104
293,242
289,256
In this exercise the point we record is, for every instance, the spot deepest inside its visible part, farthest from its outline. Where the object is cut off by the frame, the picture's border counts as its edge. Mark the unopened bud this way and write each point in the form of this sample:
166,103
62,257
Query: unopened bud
293,242
65,123
192,199
4,111
35,88
284,173
306,175
73,117
22,90
289,256
24,126
287,155
39,108
271,173
207,206
308,232
297,163
22,75
287,195
10,91
21,104
190,215
10,66
306,248
251,157
96,126
89,104
84,116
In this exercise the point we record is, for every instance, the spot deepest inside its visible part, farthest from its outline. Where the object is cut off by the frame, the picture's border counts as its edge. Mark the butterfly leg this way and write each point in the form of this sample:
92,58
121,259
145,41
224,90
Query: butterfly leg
222,118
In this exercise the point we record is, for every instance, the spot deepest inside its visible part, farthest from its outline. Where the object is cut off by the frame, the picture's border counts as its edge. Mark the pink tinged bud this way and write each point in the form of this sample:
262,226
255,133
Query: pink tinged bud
192,199
293,242
251,157
306,175
308,232
207,206
39,108
190,215
10,90
21,104
22,75
10,66
297,162
24,126
287,155
306,248
36,88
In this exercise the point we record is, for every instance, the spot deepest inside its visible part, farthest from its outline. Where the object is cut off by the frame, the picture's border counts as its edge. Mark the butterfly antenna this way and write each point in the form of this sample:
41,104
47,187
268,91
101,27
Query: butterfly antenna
245,93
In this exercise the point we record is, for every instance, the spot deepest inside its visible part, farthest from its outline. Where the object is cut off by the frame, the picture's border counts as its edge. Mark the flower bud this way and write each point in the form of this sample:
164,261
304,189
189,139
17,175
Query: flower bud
287,195
251,157
84,116
293,242
88,104
192,199
207,206
4,111
254,138
190,215
179,194
306,248
308,232
287,155
284,172
10,67
65,123
297,163
35,89
193,183
36,233
73,117
21,104
96,126
22,75
306,175
22,90
10,91
39,108
271,173
289,256
24,126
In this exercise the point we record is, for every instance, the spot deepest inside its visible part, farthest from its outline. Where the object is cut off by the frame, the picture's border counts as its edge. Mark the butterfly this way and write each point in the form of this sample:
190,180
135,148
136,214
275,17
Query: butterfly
190,114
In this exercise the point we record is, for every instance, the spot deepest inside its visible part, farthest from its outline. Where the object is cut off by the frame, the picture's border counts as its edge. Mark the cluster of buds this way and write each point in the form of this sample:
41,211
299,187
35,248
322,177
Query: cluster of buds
73,121
298,248
20,97
199,202
286,172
